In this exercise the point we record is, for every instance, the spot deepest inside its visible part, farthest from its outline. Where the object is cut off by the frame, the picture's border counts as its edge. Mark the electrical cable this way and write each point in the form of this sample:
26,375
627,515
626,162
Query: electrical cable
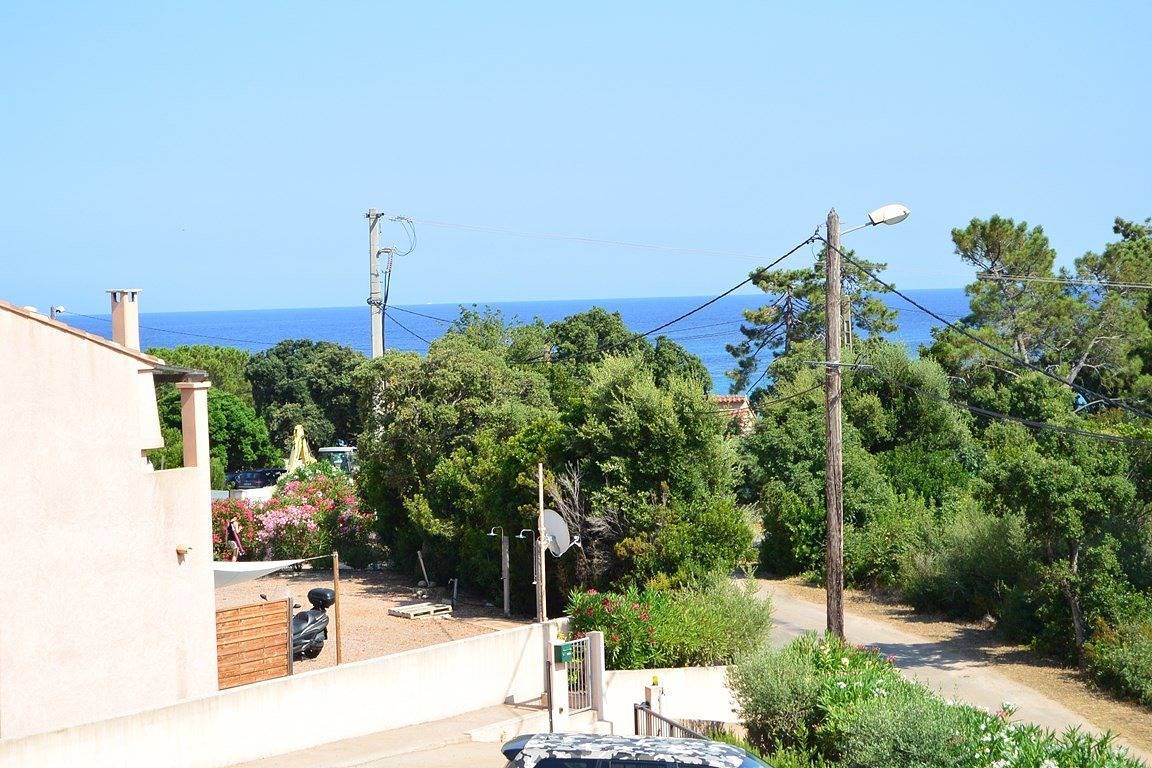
1007,278
1018,419
178,333
756,273
421,314
406,328
964,332
792,396
587,240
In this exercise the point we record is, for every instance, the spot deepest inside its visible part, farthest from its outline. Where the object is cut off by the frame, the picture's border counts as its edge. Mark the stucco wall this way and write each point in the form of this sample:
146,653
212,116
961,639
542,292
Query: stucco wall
103,618
304,710
689,693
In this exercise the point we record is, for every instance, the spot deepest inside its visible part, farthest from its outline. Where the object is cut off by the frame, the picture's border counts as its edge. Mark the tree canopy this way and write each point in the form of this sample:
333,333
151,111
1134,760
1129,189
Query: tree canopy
300,381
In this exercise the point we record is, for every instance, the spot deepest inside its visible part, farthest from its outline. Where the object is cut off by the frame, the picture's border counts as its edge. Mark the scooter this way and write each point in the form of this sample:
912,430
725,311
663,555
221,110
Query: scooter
310,628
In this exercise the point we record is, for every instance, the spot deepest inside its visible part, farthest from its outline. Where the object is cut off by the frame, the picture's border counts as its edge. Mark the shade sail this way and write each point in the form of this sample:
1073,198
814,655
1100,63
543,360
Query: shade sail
226,573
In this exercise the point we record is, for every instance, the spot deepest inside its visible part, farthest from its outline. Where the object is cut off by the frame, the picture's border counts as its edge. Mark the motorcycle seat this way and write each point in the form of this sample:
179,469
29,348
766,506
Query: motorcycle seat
302,621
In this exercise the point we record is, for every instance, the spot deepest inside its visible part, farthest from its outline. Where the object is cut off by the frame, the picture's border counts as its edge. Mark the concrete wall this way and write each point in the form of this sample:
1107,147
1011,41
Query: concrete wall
689,693
104,618
304,710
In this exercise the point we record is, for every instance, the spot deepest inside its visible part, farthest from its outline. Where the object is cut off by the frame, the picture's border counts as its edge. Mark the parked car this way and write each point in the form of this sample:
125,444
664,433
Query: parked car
589,750
246,479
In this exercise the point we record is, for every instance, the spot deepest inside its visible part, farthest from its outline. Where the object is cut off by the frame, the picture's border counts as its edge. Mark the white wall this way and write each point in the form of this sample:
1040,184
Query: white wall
690,693
304,710
104,618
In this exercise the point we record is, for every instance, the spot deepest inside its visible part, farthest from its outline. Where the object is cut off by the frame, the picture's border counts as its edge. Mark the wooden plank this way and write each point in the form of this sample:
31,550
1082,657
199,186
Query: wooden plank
420,610
246,655
253,643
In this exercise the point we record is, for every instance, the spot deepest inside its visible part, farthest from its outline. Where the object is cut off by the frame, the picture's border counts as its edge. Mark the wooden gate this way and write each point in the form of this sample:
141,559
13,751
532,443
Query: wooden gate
253,642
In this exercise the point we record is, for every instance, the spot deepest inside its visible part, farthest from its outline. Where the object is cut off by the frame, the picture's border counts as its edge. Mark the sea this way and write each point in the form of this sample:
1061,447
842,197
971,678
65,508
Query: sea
413,326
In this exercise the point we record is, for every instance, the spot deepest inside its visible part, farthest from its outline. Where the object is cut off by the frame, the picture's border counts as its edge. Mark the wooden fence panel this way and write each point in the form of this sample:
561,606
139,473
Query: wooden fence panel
253,643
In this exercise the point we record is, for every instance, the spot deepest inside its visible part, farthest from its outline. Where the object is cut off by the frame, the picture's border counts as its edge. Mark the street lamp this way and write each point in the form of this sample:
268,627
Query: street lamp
504,568
894,213
834,449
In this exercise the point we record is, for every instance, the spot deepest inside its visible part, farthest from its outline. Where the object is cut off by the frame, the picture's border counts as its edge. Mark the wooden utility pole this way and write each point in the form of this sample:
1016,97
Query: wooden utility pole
834,468
374,300
541,546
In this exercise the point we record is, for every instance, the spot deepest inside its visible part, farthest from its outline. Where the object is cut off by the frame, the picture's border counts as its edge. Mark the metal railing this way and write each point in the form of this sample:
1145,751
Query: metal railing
579,677
649,723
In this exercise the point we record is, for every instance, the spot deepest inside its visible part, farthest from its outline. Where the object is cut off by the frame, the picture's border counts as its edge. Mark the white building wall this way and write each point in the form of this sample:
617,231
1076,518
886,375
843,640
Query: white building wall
103,618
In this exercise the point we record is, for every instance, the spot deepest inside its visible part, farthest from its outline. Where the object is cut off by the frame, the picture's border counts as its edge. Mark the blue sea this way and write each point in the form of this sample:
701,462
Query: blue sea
704,334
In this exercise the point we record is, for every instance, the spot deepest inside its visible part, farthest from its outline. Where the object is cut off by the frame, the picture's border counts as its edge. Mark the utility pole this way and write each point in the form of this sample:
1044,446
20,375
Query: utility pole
834,469
374,300
541,539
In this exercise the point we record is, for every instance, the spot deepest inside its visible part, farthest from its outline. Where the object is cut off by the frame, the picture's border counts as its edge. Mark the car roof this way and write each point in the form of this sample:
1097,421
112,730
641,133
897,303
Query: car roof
602,747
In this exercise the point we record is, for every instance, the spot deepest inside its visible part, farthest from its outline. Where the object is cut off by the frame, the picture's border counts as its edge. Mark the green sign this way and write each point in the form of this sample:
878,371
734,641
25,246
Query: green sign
562,653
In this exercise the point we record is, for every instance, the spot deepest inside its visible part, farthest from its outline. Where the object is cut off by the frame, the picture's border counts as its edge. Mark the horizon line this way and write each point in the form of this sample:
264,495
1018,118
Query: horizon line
456,304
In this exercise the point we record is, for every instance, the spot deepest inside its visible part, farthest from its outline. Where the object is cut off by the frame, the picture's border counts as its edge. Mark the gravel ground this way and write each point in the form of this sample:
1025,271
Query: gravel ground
1065,685
365,597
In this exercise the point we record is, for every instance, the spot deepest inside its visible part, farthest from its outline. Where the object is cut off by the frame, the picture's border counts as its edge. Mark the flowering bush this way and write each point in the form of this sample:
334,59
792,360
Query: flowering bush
650,628
849,706
313,511
240,510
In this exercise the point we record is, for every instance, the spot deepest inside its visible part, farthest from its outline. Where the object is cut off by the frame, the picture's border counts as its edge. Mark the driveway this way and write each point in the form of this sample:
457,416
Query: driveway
928,661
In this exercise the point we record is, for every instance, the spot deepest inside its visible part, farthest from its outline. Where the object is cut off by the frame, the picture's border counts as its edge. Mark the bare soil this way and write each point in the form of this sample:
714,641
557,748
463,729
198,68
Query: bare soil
1067,685
365,597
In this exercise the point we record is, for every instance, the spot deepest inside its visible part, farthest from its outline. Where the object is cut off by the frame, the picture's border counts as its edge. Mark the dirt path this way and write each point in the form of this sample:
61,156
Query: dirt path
966,662
365,597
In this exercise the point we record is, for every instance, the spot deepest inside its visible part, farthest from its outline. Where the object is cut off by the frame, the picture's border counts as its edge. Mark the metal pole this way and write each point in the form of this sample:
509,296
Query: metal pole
541,545
336,605
374,282
504,575
834,471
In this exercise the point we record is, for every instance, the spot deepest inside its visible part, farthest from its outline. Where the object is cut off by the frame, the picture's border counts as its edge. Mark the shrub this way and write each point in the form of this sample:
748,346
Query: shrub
699,626
1121,659
963,565
874,551
821,698
313,511
240,510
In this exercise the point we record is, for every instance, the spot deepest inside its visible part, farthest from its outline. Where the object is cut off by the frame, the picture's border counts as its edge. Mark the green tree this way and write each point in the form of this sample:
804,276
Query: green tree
1075,498
225,365
1088,334
798,313
237,436
308,382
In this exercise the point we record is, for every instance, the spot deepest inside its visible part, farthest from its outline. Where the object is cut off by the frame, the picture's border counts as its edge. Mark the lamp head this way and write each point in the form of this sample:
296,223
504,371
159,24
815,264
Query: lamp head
888,214
528,531
494,529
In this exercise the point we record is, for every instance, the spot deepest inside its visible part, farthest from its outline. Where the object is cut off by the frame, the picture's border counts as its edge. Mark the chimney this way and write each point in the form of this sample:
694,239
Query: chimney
125,316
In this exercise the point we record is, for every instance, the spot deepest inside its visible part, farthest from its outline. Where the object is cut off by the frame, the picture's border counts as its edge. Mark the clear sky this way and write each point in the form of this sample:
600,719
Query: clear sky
221,154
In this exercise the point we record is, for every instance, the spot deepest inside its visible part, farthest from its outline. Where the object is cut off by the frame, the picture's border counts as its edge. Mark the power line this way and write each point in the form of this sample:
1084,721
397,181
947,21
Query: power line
1006,278
606,347
1043,425
388,315
586,240
179,333
1038,369
421,314
792,396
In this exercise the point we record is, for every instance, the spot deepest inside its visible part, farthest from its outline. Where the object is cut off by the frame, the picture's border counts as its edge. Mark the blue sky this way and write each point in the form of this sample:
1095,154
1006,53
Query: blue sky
221,155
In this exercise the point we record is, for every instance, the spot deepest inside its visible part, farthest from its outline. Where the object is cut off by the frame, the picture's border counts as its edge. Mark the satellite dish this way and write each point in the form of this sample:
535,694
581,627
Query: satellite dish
557,530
